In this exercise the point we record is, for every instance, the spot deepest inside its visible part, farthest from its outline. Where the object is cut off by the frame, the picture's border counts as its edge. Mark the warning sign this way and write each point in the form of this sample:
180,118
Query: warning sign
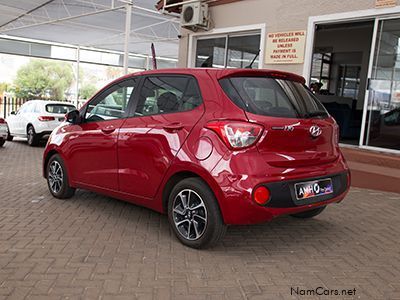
285,47
385,3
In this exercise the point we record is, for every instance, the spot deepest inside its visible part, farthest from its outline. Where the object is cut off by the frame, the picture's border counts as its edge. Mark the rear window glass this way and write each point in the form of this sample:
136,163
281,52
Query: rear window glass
59,108
272,97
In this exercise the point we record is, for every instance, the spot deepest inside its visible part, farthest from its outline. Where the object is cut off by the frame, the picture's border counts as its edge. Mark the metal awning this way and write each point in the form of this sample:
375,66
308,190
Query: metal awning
93,23
175,6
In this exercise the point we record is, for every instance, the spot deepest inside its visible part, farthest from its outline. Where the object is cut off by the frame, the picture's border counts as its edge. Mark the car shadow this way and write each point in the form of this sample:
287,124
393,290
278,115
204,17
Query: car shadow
284,234
23,141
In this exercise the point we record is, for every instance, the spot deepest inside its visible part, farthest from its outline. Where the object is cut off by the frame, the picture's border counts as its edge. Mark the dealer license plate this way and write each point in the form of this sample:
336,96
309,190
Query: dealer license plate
314,188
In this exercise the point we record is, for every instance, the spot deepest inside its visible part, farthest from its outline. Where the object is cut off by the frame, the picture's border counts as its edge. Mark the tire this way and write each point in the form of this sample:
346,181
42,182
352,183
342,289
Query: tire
33,138
9,136
309,213
2,141
57,178
197,223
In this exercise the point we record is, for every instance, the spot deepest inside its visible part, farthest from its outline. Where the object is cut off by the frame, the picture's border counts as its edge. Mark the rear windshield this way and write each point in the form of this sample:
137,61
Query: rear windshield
273,97
59,108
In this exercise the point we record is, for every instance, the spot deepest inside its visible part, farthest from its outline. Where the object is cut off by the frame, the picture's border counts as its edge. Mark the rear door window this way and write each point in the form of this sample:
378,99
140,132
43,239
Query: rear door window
272,97
59,108
25,108
167,94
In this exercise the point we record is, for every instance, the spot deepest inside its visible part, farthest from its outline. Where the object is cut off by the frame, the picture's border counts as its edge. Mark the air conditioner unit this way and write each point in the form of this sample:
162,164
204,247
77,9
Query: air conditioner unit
195,15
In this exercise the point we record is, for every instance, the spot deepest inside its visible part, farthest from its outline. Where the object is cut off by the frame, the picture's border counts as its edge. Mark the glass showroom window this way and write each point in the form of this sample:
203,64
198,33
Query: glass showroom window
321,68
228,51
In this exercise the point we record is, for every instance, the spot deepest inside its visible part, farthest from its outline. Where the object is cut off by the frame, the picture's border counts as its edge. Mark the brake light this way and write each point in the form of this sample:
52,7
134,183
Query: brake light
236,134
2,121
46,118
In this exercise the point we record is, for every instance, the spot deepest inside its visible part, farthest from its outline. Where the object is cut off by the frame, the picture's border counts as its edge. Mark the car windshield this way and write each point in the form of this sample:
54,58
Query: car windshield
59,108
273,97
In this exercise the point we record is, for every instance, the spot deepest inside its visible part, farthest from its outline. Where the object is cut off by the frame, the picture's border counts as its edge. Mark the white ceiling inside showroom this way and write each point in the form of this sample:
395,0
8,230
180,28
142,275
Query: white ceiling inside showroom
92,23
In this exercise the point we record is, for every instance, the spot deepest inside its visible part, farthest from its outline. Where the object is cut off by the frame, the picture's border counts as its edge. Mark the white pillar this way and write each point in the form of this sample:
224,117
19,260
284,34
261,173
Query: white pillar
77,75
127,34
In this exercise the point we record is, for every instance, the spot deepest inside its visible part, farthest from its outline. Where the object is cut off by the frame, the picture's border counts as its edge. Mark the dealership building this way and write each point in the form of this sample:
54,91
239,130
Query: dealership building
350,48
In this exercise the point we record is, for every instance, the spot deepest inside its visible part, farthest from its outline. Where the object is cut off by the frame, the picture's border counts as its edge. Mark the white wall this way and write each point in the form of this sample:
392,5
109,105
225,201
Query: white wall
280,15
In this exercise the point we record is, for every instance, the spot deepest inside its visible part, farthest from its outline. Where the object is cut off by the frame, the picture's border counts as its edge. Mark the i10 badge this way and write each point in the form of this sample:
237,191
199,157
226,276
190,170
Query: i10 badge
310,189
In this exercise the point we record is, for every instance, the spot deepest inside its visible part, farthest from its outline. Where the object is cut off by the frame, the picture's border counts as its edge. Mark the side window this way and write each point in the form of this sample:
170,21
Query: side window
37,108
24,108
112,103
32,107
168,94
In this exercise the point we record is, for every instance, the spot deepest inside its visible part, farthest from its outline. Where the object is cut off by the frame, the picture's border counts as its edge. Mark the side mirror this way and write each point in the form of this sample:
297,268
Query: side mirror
72,117
13,113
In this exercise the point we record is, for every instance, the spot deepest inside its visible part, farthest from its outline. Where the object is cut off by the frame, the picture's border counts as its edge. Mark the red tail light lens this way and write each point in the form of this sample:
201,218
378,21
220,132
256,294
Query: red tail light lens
336,135
261,195
46,118
2,121
236,134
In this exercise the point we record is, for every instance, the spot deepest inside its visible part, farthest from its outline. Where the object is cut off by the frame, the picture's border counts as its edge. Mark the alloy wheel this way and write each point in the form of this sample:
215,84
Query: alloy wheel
189,214
55,177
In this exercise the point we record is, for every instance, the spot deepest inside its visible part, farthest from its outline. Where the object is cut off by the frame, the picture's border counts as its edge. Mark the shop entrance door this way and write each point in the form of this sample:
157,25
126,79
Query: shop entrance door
382,106
339,72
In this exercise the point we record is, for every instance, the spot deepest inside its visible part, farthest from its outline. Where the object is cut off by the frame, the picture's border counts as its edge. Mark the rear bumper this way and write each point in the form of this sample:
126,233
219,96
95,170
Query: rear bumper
45,128
237,205
283,201
3,131
44,133
283,193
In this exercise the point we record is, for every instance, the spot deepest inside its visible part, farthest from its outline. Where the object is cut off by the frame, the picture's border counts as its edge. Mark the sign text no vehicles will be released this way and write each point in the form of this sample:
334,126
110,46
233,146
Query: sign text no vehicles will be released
285,47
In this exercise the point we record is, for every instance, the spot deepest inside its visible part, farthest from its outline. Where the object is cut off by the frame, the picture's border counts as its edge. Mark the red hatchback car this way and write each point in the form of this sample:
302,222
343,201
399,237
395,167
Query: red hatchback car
209,147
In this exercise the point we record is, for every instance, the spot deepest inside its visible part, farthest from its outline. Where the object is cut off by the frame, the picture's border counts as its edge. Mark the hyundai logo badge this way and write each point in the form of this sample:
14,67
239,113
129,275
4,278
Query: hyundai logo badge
315,131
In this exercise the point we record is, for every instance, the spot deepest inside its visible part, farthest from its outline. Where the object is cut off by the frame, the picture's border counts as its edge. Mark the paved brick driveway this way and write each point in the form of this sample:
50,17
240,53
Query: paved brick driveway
97,247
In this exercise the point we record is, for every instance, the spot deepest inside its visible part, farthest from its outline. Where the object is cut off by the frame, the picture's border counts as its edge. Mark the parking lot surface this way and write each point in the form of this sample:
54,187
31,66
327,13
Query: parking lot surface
93,246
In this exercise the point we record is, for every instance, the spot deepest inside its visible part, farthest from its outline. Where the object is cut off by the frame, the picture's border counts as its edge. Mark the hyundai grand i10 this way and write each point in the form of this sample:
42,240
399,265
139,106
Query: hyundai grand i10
207,147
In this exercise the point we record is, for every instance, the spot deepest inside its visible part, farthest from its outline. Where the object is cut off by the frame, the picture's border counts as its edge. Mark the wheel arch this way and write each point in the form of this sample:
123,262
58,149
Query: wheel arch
52,151
179,175
27,126
46,160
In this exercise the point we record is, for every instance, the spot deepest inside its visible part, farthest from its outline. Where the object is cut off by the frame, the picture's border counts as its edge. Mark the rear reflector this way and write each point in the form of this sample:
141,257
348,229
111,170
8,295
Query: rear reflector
261,195
46,118
236,134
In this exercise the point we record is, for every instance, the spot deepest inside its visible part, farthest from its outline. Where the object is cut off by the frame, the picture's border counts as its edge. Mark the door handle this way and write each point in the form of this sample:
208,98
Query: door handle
108,129
173,127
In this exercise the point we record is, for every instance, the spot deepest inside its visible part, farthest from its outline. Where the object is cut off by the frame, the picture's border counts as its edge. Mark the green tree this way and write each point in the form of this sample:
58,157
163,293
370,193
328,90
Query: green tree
4,87
42,79
87,91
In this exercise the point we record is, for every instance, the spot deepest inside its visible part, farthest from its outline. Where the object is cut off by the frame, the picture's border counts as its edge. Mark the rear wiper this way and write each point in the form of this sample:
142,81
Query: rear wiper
318,113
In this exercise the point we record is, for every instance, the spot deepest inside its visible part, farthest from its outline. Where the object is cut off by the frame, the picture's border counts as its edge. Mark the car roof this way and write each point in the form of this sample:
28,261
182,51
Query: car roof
45,102
223,73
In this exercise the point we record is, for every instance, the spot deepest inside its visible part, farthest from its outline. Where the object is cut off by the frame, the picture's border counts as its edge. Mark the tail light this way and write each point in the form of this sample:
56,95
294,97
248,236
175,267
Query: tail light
2,121
46,118
236,134
336,135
